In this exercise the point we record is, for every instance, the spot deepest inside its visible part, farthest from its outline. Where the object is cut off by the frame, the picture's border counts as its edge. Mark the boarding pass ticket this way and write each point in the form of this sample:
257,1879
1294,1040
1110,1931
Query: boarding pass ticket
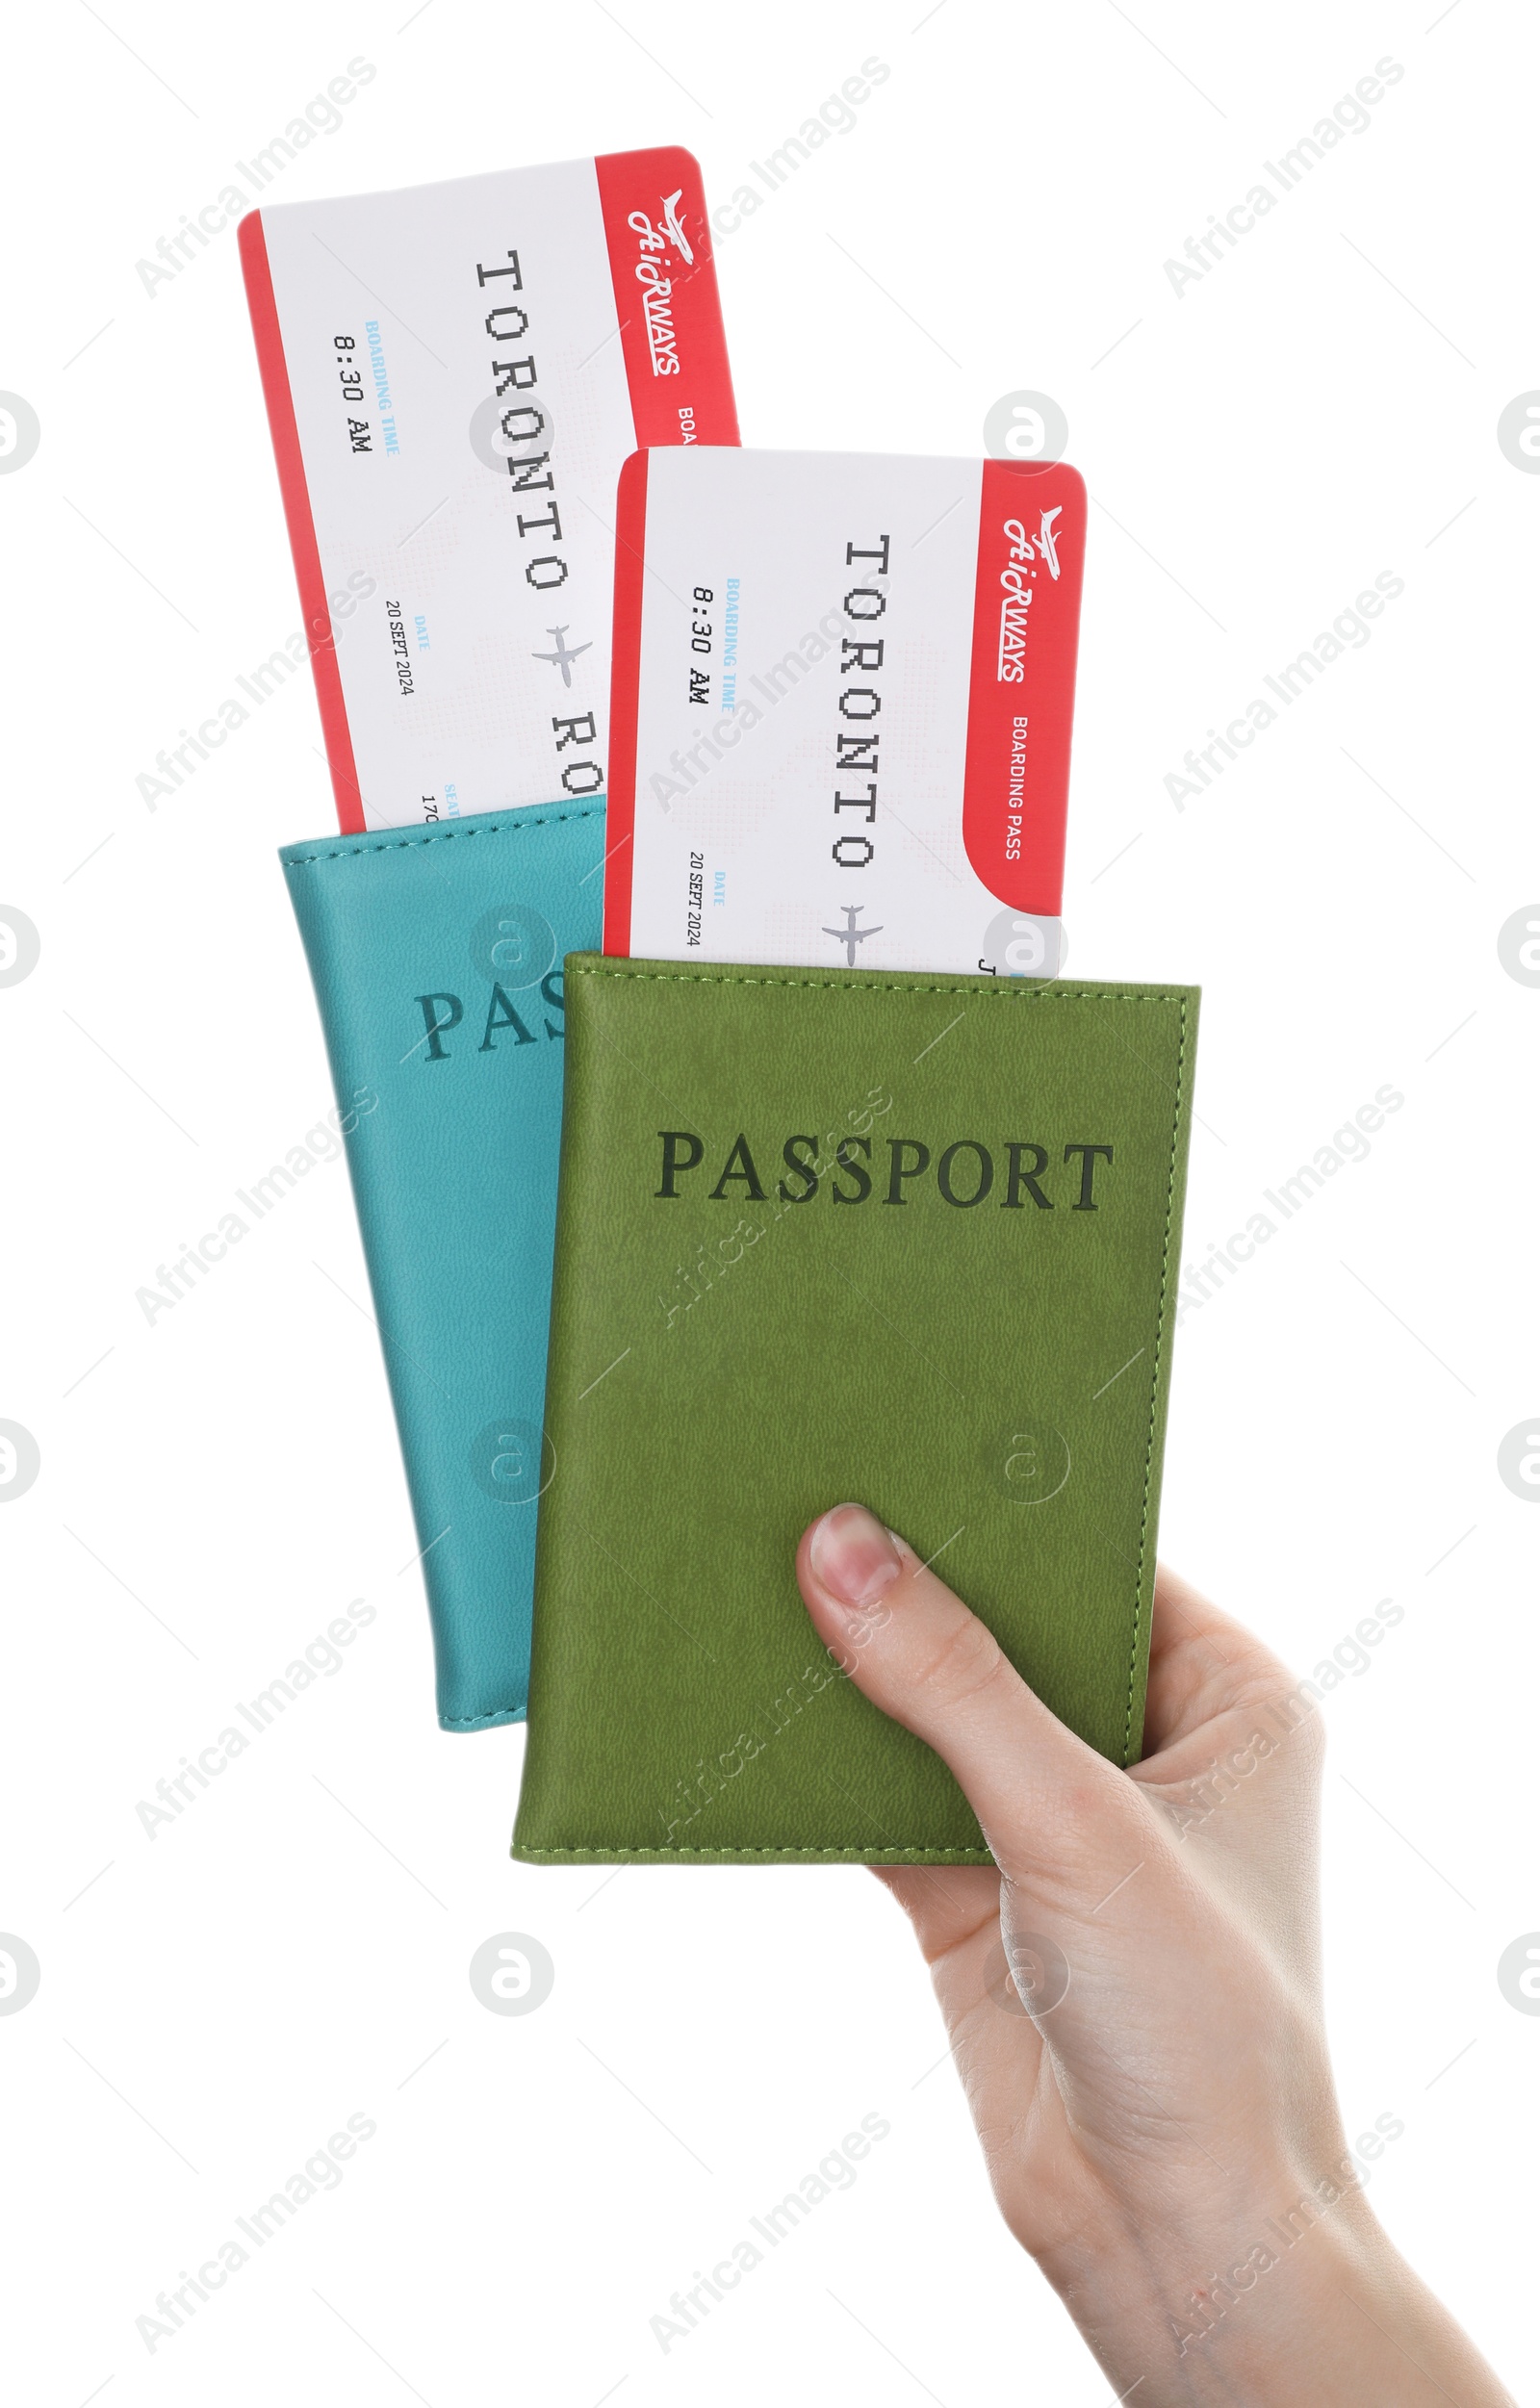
844,693
454,376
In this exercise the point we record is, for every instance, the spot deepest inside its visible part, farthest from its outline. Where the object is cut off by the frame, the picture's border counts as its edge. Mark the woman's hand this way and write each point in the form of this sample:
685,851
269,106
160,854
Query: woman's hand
1133,2001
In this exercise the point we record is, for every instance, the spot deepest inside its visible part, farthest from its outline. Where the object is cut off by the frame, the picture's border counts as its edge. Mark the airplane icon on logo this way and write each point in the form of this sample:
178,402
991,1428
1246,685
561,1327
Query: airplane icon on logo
564,654
673,228
850,935
1047,542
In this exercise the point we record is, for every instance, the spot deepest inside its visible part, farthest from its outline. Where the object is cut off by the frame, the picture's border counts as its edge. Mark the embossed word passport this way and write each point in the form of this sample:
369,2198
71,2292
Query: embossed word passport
453,375
908,1239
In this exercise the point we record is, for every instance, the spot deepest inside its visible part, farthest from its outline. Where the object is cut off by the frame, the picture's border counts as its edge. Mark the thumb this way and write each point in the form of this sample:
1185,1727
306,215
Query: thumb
1055,1814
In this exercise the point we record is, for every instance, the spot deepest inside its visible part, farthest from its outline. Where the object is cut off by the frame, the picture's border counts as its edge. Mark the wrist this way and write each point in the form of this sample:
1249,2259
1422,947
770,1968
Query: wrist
1315,2306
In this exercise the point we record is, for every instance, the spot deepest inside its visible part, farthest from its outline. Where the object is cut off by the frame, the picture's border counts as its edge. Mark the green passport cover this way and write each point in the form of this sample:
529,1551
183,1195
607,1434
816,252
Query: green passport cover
899,1238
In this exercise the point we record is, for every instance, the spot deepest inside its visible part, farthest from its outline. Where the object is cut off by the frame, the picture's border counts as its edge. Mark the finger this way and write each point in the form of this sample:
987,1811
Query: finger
955,1909
1202,1663
949,1904
1048,1804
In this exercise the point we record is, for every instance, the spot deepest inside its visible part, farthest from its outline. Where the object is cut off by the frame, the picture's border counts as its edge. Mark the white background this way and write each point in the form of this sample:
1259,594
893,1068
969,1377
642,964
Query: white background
1320,407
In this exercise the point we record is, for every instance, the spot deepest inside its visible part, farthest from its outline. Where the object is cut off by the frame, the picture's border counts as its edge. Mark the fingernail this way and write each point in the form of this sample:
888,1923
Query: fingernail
854,1556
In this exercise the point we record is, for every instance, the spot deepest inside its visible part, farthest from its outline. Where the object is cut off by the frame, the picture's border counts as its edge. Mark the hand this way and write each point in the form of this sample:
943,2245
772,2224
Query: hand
1162,2133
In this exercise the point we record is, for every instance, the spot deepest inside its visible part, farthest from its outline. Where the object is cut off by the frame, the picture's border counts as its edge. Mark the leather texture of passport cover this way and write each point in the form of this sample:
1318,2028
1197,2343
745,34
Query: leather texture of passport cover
436,953
907,1239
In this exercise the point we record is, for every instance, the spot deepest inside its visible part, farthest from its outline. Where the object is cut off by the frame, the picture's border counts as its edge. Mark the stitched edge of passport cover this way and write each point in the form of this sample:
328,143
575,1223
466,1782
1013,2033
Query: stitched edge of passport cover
1001,994
301,856
317,854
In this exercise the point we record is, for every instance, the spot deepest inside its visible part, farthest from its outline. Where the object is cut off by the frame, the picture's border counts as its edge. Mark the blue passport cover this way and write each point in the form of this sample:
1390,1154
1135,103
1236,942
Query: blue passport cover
437,960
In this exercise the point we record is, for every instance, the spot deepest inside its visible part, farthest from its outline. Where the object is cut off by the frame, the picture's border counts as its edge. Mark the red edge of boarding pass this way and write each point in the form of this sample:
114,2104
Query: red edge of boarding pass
625,682
661,262
308,574
1022,692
